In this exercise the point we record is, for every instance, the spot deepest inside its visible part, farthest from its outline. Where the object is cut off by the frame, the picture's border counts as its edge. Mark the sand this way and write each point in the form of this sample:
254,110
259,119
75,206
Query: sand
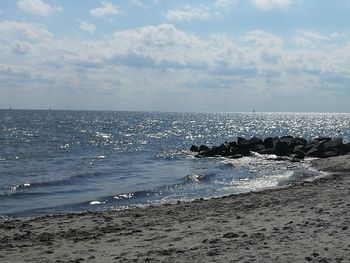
308,221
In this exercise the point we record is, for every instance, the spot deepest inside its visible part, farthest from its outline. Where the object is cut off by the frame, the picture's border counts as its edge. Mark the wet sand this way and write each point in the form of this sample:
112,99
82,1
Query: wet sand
306,222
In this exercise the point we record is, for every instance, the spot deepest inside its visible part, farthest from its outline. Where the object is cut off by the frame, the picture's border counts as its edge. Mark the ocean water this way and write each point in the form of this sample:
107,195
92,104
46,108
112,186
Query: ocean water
69,161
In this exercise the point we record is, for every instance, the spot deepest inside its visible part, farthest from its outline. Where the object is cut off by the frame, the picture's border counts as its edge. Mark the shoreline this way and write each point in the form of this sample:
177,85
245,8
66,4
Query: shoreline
308,221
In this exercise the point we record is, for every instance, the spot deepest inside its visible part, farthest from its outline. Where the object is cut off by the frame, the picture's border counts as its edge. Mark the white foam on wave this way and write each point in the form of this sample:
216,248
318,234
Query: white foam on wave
194,177
95,203
124,196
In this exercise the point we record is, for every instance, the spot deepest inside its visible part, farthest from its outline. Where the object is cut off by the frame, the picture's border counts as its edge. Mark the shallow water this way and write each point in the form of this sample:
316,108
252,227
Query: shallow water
69,161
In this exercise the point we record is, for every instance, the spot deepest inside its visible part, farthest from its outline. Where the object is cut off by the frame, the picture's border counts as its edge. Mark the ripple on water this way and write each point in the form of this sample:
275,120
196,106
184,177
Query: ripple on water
67,159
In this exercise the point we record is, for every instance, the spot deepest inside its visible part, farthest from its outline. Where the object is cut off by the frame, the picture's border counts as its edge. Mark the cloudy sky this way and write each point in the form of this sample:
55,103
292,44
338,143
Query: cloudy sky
175,55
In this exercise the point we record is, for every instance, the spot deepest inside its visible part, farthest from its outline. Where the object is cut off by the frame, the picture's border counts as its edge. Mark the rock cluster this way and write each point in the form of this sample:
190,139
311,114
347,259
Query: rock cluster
294,147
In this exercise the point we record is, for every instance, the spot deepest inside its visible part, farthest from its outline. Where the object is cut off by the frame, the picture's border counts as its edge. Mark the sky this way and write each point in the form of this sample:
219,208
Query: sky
175,55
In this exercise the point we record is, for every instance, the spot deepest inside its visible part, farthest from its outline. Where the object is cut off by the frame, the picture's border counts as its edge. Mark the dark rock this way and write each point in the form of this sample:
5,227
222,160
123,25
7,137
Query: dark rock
282,148
299,154
243,150
336,145
295,147
248,143
343,149
287,137
298,148
312,143
203,148
241,141
288,140
348,147
236,156
330,154
258,148
255,140
323,139
233,144
300,141
222,150
315,152
194,148
267,151
333,143
292,142
244,146
269,143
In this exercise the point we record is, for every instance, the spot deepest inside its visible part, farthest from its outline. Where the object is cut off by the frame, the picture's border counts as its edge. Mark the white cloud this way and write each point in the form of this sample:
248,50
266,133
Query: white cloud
91,28
22,48
17,30
159,45
107,8
188,13
262,38
309,38
37,7
312,35
207,11
144,62
8,69
271,4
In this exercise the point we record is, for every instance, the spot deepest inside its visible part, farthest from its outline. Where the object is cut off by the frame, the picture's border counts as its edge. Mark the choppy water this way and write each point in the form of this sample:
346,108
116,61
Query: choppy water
68,161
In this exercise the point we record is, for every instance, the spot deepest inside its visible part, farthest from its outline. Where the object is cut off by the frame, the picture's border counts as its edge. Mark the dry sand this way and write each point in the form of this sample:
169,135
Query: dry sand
308,221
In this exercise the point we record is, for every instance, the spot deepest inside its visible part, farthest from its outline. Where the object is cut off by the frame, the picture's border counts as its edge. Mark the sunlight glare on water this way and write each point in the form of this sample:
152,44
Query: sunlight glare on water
68,161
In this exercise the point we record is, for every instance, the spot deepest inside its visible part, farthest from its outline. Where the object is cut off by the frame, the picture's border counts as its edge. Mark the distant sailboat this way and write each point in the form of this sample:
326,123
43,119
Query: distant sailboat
254,110
10,108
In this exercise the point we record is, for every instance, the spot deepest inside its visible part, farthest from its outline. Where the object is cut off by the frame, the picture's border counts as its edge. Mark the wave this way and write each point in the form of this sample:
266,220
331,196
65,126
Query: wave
26,188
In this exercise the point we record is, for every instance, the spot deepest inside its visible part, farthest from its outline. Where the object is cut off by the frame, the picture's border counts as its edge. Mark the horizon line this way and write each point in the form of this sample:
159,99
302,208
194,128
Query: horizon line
162,111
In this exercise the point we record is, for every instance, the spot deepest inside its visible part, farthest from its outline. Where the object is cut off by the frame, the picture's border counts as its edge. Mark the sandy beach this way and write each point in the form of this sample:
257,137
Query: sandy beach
306,222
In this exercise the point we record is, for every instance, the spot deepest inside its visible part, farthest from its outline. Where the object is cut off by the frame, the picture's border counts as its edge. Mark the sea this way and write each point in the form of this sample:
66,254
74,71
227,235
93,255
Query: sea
55,162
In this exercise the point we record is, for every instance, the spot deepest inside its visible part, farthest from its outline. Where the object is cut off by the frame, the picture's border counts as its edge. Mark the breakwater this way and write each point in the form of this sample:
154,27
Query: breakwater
295,147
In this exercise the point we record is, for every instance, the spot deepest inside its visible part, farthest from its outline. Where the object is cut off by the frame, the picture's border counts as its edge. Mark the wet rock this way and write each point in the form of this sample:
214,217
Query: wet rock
251,143
258,148
328,154
233,144
333,143
194,148
244,151
312,143
315,151
299,155
203,148
298,148
295,147
282,148
300,141
323,139
241,141
267,151
269,143
222,150
236,156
